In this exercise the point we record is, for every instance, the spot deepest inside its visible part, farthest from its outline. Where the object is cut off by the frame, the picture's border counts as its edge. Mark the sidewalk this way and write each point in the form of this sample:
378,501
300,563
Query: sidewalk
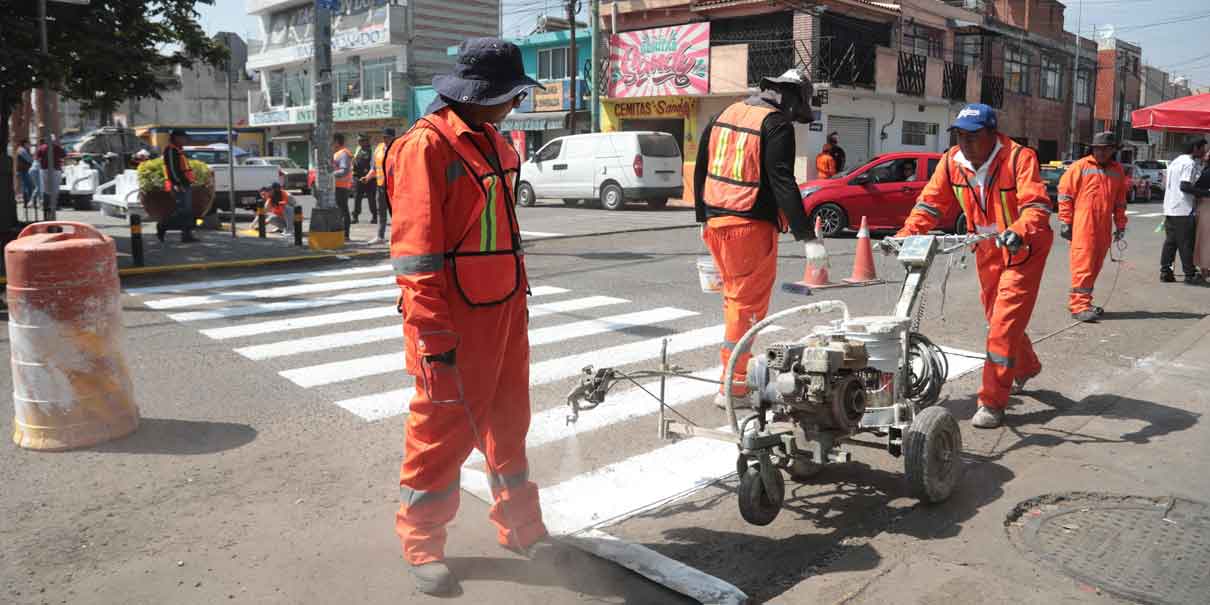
1138,434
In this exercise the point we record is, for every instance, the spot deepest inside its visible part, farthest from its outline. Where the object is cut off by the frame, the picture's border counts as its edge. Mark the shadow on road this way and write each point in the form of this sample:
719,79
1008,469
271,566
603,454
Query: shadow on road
1109,315
181,438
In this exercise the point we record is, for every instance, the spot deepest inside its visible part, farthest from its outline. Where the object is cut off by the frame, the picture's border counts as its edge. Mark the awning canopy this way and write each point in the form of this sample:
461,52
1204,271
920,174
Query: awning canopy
546,120
1186,114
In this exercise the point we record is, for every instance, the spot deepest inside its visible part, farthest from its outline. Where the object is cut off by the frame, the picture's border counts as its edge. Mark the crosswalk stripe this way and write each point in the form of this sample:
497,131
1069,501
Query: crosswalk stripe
1131,212
591,327
256,280
379,406
1151,215
361,367
312,321
540,234
278,292
312,303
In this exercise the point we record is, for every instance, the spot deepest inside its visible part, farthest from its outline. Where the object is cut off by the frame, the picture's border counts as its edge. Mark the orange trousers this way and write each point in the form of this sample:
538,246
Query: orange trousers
490,380
1089,245
745,253
1009,291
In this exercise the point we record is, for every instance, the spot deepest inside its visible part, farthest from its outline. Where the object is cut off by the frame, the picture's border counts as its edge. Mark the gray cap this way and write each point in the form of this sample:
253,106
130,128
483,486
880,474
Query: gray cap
1104,139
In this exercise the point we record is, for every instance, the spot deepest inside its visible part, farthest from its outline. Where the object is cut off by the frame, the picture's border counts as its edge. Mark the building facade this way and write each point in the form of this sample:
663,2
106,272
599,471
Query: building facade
1119,86
381,49
1158,86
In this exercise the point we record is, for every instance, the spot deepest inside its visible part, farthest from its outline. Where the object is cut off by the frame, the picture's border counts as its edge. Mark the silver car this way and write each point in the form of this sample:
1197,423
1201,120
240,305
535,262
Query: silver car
1153,171
288,173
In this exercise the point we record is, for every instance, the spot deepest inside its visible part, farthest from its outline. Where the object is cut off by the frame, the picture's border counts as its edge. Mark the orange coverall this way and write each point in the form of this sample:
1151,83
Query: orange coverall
1013,198
455,246
825,164
1092,199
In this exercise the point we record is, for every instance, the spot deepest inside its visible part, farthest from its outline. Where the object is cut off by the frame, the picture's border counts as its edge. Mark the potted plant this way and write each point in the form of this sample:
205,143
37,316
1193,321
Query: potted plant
159,204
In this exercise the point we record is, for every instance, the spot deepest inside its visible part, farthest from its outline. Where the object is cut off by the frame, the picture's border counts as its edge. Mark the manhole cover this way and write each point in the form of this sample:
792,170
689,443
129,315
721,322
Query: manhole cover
1152,550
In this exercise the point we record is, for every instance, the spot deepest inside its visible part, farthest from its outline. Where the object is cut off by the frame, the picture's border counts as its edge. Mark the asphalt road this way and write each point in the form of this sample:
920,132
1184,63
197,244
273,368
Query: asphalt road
273,400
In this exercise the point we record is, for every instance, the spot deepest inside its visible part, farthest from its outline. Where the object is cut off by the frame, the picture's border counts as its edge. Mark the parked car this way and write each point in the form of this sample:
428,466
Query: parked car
1152,171
1137,189
248,178
1051,173
884,190
614,167
288,173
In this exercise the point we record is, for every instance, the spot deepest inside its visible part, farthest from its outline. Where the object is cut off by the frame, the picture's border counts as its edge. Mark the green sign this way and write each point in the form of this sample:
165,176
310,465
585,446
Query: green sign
376,109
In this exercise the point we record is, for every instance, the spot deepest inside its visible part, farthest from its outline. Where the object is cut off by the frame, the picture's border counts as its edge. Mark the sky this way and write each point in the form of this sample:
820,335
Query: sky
1169,31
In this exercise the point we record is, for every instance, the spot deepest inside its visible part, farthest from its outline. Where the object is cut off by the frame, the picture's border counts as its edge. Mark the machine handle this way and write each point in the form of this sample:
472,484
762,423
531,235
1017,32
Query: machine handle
78,230
559,167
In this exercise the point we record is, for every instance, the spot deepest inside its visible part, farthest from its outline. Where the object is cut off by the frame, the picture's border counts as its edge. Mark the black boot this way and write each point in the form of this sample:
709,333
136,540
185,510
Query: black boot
160,232
187,237
1167,276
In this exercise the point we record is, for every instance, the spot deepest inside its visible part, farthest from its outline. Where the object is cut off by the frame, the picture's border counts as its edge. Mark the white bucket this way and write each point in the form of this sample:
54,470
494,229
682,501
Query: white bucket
883,338
708,275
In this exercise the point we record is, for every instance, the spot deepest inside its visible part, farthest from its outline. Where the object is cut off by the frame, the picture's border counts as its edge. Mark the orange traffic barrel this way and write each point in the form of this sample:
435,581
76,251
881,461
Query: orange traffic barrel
71,386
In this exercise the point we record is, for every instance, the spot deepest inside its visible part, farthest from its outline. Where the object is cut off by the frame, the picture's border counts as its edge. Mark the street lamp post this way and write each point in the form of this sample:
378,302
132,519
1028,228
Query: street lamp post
43,109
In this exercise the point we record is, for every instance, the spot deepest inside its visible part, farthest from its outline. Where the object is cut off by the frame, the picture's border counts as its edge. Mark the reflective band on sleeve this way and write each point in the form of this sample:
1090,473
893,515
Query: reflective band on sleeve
419,263
1093,172
1081,290
1064,198
508,481
1039,206
729,345
999,360
929,209
414,497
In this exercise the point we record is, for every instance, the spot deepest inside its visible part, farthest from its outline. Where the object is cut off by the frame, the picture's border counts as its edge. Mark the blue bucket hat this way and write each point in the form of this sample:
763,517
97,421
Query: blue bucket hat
489,71
975,116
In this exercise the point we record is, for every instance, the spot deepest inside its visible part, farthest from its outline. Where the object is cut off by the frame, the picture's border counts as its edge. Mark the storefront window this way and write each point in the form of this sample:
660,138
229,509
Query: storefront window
552,64
298,89
348,81
277,87
378,77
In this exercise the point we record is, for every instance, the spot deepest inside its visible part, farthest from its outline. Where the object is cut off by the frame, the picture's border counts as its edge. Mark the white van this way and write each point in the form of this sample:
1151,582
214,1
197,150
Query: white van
613,167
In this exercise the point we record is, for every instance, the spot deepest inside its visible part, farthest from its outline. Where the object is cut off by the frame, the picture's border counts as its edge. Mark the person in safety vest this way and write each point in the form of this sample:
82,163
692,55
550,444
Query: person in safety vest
997,184
1092,215
363,179
178,179
383,208
342,172
745,193
456,249
825,162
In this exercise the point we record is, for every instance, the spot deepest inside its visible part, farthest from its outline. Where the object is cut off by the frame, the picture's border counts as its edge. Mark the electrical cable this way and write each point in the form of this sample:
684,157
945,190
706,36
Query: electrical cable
924,389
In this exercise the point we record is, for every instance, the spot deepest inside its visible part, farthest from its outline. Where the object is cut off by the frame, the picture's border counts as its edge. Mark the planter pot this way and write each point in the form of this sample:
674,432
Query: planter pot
159,204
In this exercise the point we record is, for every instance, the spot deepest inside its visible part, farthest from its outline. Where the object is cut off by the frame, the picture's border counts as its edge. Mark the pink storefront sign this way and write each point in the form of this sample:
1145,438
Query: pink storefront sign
660,62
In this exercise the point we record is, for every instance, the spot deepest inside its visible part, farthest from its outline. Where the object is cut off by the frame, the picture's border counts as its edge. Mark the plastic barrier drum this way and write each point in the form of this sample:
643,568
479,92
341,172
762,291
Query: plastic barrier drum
71,386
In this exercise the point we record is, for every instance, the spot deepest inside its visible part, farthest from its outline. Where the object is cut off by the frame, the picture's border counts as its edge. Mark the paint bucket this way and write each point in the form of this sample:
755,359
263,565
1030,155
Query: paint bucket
883,338
708,276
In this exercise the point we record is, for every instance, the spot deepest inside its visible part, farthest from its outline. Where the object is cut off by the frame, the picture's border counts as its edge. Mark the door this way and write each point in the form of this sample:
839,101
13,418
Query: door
298,151
854,134
893,188
544,176
576,166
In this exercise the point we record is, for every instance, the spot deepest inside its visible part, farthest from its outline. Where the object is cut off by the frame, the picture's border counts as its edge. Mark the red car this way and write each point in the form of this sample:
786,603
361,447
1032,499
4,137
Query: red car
883,191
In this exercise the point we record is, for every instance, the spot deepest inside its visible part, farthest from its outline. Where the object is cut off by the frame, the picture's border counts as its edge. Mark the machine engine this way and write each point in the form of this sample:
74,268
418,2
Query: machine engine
823,381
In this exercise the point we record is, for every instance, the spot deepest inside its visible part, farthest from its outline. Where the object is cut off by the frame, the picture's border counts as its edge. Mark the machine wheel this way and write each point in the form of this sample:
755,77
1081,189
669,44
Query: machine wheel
611,197
932,450
832,219
758,505
659,204
525,195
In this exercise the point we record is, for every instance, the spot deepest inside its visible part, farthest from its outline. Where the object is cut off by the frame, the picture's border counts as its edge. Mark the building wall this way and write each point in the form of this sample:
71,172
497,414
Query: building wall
440,24
1106,104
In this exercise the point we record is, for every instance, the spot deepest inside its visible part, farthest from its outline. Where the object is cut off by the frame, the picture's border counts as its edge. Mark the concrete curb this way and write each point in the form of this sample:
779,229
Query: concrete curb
246,263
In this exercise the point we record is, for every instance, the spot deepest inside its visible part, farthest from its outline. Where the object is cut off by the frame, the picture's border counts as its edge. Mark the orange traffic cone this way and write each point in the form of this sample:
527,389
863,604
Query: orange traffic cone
863,263
815,275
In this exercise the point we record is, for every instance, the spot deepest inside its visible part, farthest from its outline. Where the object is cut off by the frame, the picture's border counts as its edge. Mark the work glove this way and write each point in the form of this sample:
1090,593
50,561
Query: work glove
440,377
1119,235
1011,241
1065,231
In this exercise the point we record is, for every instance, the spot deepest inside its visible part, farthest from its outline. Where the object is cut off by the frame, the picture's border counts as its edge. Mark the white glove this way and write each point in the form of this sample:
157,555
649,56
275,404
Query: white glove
816,253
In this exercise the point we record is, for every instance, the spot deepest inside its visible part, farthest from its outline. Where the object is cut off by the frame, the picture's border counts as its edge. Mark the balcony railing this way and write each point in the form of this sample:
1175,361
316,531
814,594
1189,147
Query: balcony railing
993,91
844,63
954,82
912,71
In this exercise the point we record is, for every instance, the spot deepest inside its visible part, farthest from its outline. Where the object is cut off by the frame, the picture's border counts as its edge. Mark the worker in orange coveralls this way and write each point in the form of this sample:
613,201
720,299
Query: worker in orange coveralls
1092,215
825,162
746,194
456,250
997,184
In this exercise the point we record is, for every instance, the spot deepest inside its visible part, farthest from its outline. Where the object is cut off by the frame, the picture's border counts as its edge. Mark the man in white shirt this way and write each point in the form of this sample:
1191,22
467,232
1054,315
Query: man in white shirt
1179,224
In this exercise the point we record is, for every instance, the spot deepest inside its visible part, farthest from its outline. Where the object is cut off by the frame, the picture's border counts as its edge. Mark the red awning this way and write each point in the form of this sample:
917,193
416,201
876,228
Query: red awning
1186,114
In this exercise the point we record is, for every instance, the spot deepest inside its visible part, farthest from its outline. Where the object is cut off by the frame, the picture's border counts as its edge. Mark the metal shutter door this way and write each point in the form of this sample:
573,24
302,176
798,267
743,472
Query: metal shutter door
854,139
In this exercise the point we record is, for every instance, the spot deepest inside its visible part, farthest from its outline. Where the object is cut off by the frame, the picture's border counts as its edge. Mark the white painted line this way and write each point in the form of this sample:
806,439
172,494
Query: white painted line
258,280
379,406
591,327
326,319
312,303
1131,212
323,342
962,362
278,292
540,234
1151,215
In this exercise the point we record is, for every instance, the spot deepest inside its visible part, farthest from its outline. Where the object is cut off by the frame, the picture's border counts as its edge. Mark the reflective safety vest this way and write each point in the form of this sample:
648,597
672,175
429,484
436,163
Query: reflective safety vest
997,208
733,177
184,167
485,263
346,181
380,155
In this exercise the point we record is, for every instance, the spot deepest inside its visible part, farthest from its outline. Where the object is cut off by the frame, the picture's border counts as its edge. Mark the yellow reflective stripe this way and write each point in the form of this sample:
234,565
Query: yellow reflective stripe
1008,217
492,193
961,201
737,170
487,220
720,152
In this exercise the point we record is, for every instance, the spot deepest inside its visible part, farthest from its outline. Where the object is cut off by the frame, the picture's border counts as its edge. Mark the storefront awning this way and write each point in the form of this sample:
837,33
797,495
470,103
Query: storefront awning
547,120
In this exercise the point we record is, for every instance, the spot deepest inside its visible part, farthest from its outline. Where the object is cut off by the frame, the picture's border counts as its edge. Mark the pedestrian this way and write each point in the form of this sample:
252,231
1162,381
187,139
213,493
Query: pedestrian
456,248
837,151
825,162
743,186
997,184
363,163
1179,221
52,176
178,179
138,158
342,172
276,201
1201,244
1092,215
379,172
25,161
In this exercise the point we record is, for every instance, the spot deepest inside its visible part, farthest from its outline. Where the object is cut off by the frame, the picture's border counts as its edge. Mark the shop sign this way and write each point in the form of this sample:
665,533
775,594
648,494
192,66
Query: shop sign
660,62
550,99
358,24
341,112
660,108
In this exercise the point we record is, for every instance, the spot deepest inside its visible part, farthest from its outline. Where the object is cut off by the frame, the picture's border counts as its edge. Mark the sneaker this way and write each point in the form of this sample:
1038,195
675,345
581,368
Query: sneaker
1195,279
374,240
432,578
374,220
1167,276
355,221
1087,315
988,418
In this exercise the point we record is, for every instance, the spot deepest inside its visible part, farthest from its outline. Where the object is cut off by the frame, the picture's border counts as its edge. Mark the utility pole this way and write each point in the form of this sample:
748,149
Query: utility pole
1075,82
48,171
231,134
595,83
1120,64
322,68
575,94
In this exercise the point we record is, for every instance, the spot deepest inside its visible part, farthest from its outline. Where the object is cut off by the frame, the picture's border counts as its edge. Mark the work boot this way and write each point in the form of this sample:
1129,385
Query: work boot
1195,279
432,578
160,232
1086,316
988,418
1167,276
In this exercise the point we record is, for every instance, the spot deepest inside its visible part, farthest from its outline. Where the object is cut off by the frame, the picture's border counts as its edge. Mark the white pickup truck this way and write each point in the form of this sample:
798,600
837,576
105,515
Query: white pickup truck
248,179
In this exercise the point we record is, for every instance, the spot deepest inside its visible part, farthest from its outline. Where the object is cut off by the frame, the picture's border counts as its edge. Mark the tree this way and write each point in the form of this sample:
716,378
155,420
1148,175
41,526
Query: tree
99,54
